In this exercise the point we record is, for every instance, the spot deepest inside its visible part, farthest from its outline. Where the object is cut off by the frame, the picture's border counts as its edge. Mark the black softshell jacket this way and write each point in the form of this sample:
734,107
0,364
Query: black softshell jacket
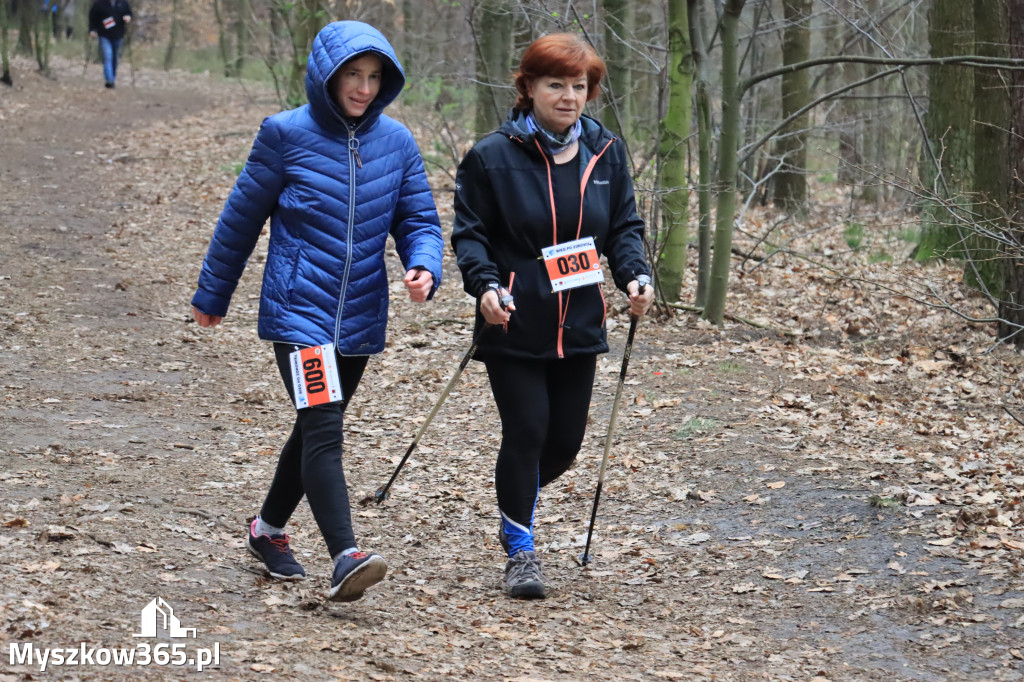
504,216
107,10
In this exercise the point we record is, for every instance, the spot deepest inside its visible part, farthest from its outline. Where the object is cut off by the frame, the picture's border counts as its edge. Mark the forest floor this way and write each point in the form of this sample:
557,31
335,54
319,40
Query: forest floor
834,497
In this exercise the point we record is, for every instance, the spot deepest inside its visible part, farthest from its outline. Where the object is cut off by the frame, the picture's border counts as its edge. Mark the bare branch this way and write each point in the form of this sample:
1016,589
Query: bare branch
976,61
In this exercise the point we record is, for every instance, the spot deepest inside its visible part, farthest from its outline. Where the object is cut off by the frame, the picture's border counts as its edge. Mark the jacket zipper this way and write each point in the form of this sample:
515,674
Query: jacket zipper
353,159
554,240
563,309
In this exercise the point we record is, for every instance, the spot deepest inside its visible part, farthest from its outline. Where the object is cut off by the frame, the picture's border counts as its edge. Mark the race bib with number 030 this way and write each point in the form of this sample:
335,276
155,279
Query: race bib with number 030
315,376
573,264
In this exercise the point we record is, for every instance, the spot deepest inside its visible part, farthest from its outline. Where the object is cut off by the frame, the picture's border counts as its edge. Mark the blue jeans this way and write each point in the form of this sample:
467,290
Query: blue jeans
110,50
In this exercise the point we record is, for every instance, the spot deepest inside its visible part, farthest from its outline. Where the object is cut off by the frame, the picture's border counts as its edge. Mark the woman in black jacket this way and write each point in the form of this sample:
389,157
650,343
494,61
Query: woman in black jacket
536,203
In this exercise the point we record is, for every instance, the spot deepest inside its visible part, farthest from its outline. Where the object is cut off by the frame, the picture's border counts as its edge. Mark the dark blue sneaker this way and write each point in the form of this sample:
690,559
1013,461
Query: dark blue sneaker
275,554
355,572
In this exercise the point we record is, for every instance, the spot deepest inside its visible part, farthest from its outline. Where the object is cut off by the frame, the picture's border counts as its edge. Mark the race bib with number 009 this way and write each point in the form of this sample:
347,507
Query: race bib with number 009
573,264
315,376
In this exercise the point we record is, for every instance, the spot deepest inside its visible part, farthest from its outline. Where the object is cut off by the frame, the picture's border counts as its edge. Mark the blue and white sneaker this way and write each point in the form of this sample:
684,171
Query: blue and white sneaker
354,573
276,555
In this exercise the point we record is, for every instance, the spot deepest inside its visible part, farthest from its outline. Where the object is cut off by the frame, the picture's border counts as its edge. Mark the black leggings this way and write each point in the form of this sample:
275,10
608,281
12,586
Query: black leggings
543,406
310,461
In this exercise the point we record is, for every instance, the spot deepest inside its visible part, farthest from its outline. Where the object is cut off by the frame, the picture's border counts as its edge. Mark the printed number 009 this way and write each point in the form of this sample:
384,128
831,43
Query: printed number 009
314,376
573,263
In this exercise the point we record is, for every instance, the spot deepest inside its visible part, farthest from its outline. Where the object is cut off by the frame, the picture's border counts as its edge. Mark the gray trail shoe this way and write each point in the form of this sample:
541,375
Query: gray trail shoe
523,577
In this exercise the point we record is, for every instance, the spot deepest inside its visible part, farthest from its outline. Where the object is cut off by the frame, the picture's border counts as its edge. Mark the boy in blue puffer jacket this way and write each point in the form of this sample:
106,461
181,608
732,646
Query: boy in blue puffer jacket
334,177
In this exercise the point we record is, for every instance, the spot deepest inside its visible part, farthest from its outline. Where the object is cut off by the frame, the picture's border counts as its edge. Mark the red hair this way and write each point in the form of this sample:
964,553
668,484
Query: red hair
558,55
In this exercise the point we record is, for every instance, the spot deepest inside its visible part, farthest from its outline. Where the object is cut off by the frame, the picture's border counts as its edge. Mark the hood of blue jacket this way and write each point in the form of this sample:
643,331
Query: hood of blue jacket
337,43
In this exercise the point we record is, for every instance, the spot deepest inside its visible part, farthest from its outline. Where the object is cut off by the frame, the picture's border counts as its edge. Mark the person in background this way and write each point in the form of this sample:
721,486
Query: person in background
61,15
66,19
548,176
107,21
335,177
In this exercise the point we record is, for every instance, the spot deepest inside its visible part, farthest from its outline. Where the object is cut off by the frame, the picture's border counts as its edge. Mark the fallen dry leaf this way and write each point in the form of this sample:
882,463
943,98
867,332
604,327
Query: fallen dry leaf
944,542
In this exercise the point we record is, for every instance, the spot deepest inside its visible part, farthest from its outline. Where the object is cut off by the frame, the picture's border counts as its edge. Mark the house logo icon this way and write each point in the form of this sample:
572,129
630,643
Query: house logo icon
159,611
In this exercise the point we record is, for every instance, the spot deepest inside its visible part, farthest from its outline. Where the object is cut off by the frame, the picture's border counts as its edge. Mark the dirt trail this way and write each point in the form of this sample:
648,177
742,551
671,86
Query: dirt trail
736,538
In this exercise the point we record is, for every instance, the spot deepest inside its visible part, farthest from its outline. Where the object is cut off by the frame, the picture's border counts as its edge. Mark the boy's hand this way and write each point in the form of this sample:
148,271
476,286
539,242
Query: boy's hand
205,320
419,282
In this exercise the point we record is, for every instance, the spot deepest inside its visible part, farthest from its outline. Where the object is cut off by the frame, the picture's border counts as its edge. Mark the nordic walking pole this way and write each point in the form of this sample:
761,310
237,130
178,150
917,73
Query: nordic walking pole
505,299
643,281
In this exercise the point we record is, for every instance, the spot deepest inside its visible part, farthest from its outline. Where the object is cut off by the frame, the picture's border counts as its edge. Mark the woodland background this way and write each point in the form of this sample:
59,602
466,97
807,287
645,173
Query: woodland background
912,106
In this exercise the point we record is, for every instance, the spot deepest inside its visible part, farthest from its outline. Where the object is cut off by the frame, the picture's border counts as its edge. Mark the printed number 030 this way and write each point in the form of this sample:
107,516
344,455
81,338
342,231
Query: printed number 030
314,375
574,262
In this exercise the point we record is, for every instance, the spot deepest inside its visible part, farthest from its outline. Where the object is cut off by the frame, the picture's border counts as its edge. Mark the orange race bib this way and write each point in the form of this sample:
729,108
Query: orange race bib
573,264
315,376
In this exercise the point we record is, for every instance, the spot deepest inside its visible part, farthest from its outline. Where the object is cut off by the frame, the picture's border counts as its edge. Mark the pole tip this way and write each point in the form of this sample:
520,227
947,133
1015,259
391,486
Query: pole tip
380,496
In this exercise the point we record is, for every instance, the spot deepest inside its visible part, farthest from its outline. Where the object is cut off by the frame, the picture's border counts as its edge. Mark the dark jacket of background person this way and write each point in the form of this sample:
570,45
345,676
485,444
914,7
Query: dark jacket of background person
333,192
109,9
503,218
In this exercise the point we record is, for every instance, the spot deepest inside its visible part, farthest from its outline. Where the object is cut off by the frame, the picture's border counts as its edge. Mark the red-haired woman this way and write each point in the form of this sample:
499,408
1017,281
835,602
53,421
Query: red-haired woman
548,177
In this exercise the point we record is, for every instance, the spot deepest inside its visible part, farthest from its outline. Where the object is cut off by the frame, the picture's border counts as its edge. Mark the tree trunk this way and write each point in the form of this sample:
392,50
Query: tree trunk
847,112
714,311
274,57
991,142
791,178
172,42
244,12
26,11
41,41
1011,304
307,17
673,156
753,113
618,29
5,47
704,140
222,37
646,92
947,169
492,31
412,51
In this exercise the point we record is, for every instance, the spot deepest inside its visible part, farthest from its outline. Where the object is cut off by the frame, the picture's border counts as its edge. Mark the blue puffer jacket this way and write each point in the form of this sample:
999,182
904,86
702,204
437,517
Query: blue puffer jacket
333,190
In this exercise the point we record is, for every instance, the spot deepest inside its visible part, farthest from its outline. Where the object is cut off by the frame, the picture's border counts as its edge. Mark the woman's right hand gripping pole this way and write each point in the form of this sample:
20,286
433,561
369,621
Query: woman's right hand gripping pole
496,305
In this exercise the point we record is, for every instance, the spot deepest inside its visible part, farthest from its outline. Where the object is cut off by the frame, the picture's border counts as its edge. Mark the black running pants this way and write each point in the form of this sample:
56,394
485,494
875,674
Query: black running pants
310,462
543,406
